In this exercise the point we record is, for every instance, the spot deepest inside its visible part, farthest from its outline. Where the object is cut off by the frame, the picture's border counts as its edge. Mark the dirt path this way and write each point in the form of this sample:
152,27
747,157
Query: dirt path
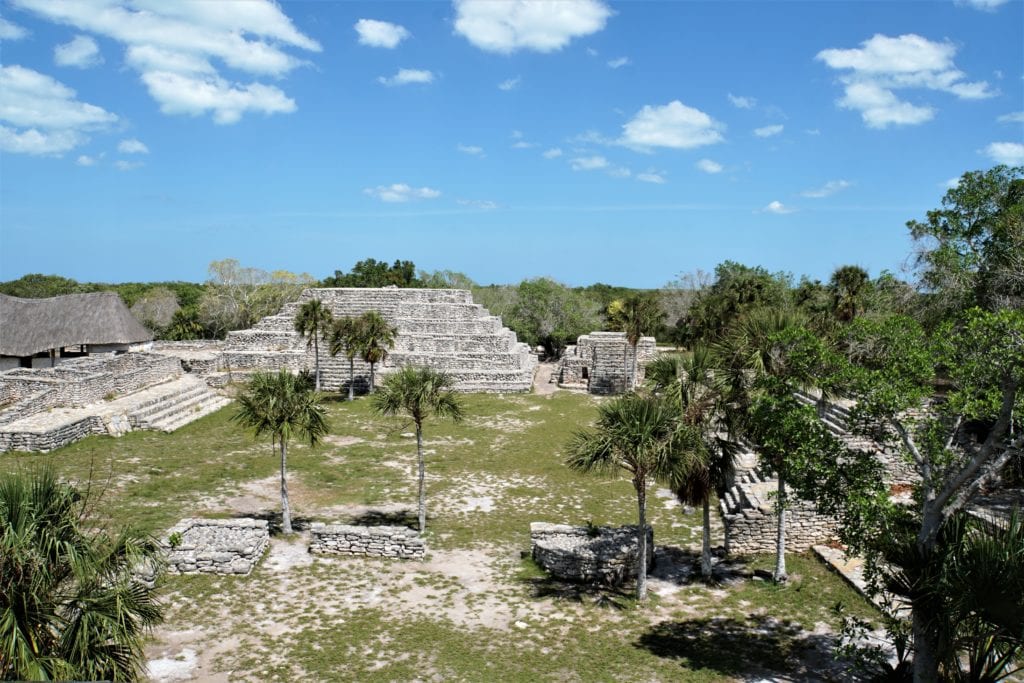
542,383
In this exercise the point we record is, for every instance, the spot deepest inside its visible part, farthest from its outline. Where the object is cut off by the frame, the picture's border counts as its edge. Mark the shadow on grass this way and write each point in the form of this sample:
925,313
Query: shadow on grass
614,597
757,646
274,520
402,517
682,567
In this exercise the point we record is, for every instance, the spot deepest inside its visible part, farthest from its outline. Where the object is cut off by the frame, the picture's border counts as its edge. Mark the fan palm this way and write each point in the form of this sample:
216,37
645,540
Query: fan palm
312,321
281,404
643,436
70,606
419,393
345,337
849,286
376,337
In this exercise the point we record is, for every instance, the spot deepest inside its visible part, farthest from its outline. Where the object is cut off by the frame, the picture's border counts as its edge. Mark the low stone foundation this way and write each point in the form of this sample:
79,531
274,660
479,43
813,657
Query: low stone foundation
577,553
381,541
216,546
751,523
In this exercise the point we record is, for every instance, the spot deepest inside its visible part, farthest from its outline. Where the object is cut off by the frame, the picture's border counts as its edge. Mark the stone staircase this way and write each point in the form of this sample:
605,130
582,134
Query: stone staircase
185,403
438,328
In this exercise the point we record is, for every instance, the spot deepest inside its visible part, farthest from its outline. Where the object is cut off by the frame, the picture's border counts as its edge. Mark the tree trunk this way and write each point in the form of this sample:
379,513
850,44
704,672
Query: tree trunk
286,513
316,360
636,368
705,551
641,571
351,379
372,365
780,537
926,662
422,476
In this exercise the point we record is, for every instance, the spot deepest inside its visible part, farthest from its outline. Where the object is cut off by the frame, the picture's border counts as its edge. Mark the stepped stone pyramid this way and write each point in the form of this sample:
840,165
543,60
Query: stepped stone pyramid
438,328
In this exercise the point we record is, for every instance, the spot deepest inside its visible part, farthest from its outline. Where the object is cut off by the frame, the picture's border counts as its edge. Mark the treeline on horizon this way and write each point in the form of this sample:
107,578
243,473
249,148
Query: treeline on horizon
545,312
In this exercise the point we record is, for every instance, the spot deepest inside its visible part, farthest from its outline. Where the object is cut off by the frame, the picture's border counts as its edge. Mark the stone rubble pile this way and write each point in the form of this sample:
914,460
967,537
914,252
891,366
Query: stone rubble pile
216,546
382,541
604,554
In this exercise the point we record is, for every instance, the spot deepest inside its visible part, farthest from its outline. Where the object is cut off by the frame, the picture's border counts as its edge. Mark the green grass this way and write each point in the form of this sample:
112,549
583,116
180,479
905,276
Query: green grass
454,617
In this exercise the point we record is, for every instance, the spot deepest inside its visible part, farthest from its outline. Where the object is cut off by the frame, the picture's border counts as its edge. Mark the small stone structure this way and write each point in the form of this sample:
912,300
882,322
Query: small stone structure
381,541
217,546
577,553
602,362
438,328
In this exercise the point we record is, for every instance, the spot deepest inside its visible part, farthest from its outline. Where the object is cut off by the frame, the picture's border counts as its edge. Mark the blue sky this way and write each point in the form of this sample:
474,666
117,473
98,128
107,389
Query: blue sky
586,140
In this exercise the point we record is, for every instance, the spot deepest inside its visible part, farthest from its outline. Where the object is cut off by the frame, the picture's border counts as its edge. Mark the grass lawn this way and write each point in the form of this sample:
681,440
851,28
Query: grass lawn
474,610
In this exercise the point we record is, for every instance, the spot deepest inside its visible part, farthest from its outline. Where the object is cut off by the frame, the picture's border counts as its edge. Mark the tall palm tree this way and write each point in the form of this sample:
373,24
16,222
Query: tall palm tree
849,285
376,337
345,337
312,321
700,393
70,605
281,404
643,436
419,393
639,315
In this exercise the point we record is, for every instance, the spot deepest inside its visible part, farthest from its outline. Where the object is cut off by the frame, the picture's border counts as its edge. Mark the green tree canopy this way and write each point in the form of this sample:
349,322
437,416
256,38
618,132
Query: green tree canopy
373,273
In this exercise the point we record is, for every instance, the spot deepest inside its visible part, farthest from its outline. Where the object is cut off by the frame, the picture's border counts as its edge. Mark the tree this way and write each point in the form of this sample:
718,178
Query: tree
643,436
184,325
373,273
637,315
849,287
70,604
419,393
281,404
312,321
375,336
737,290
971,250
345,337
548,313
237,296
445,279
700,393
156,308
957,445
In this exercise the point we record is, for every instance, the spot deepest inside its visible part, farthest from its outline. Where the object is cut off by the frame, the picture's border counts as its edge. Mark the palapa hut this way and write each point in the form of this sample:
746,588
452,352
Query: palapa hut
39,332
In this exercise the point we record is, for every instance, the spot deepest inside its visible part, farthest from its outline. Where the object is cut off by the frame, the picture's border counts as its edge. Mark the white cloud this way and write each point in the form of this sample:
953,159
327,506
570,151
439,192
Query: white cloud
617,63
9,31
552,153
380,33
199,94
523,144
400,193
407,76
171,43
673,125
123,165
472,150
950,184
883,65
709,166
506,26
827,190
43,115
651,176
812,131
592,163
984,5
81,52
132,146
777,207
86,160
1009,153
768,131
741,102
510,83
619,172
484,204
1012,117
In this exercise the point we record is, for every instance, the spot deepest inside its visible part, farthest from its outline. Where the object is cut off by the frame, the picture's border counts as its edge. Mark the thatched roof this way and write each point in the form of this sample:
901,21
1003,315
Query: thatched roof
31,326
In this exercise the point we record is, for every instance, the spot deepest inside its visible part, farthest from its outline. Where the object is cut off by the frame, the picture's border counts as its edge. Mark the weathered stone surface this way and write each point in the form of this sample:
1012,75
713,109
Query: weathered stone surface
382,541
602,362
216,546
576,553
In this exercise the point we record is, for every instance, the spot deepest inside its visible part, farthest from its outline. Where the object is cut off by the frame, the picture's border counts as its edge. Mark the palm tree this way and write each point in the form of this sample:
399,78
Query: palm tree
419,393
849,285
281,404
638,315
643,436
70,604
345,336
312,321
699,392
376,336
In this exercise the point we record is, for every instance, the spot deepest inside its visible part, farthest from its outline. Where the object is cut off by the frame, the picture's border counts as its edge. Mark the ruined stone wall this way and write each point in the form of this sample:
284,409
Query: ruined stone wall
606,360
575,553
216,546
751,524
382,541
49,440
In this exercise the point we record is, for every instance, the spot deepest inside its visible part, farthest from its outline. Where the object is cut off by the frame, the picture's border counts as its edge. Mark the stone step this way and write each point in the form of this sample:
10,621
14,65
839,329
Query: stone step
467,361
442,311
479,326
157,404
210,404
172,407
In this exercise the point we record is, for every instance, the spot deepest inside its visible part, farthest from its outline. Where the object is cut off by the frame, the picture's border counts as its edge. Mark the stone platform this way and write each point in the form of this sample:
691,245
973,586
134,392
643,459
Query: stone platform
216,546
577,553
381,541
